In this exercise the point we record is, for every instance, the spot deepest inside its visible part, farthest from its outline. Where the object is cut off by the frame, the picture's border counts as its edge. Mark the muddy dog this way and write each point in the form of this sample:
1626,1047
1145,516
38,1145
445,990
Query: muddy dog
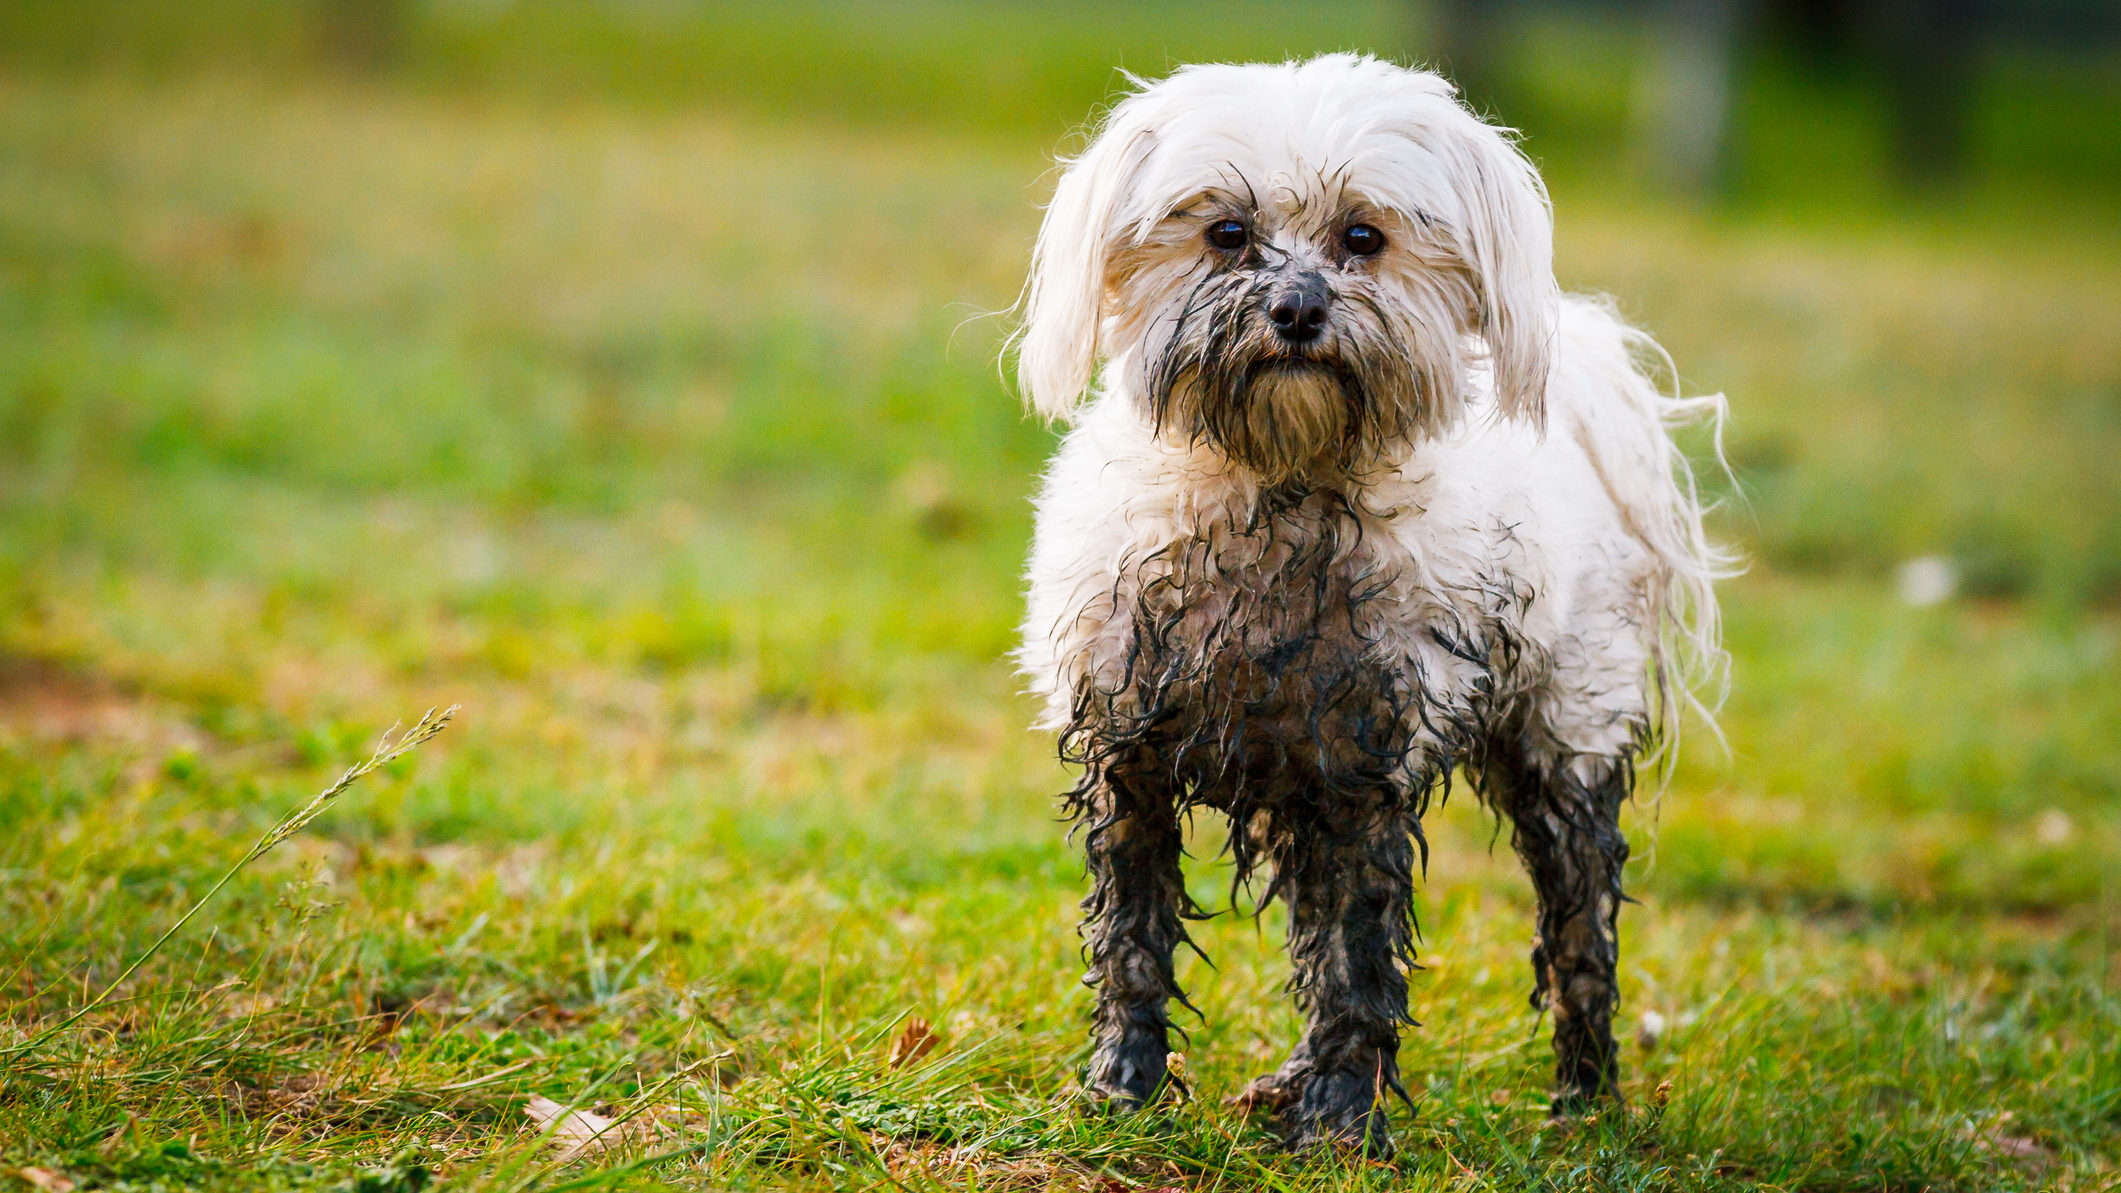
1353,497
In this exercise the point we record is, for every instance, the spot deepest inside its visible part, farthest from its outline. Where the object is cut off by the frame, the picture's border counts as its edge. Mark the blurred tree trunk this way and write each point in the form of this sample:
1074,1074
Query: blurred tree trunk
1465,41
364,36
1683,99
1929,61
1926,52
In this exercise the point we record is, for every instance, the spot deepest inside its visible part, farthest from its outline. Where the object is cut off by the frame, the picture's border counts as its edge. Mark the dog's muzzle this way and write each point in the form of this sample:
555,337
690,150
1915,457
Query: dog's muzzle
1298,308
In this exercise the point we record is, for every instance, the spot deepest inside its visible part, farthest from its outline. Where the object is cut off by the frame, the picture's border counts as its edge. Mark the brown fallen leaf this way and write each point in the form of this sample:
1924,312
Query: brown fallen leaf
45,1178
913,1042
2017,1147
583,1131
1991,1138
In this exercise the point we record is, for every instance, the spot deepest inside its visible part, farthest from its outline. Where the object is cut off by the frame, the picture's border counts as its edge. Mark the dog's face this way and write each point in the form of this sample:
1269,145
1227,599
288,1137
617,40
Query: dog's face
1296,265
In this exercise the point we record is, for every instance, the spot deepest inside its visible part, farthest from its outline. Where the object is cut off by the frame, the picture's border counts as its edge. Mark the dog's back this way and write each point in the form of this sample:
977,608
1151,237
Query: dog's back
1604,394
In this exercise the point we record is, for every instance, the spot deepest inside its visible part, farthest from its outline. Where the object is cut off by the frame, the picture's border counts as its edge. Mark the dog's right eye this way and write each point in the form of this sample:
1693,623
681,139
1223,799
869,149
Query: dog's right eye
1228,234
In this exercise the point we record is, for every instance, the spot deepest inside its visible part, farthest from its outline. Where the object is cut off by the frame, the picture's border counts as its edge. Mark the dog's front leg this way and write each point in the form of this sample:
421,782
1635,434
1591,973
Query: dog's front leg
1567,831
1132,926
1350,891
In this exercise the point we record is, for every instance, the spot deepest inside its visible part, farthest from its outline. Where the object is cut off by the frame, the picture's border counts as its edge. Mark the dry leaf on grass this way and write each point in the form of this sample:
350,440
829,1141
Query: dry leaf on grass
2017,1147
45,1178
584,1131
914,1041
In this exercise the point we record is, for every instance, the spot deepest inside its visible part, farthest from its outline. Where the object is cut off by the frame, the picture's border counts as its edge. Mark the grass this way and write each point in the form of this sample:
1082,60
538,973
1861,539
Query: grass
666,443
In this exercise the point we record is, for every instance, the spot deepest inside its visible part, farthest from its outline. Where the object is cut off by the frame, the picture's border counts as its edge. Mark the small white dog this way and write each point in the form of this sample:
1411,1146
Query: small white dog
1353,496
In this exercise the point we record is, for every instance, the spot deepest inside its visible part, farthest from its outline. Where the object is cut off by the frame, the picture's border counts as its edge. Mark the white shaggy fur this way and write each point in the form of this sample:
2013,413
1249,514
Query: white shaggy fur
1538,458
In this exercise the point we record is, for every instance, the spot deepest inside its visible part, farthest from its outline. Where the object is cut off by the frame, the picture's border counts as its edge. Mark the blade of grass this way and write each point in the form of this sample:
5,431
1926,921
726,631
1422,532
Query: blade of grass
386,751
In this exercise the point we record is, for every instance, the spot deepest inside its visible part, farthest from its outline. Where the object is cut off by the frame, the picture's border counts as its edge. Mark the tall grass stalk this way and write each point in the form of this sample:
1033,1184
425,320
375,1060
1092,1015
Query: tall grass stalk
390,748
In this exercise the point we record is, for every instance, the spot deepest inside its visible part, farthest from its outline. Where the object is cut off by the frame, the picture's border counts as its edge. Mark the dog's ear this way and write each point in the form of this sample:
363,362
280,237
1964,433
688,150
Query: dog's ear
1064,301
1508,238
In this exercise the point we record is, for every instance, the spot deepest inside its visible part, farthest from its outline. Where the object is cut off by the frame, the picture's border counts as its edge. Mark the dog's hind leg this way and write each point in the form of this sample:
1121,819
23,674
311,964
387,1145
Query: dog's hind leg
1349,886
1133,924
1566,828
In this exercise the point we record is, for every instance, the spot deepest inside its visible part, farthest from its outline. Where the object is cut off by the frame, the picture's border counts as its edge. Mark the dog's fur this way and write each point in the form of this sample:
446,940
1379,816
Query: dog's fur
1301,583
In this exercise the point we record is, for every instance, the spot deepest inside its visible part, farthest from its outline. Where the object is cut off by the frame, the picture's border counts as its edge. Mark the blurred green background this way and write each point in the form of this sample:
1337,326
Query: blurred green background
626,372
1844,471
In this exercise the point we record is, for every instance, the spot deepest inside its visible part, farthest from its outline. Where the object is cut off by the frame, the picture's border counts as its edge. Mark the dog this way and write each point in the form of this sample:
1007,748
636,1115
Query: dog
1352,497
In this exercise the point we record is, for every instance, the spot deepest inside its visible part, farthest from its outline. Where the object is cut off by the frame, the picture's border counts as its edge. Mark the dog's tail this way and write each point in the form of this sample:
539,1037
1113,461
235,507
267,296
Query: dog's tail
1617,393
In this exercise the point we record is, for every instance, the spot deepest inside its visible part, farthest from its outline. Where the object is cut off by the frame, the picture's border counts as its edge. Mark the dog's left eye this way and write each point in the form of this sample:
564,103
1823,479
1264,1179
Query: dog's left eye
1362,240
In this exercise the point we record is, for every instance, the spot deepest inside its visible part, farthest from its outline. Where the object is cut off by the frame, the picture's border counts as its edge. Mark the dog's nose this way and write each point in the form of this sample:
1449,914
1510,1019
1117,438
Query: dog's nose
1299,309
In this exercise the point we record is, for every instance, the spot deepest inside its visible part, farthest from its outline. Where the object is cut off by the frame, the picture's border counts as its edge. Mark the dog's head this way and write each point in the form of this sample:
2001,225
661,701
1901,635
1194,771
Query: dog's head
1294,264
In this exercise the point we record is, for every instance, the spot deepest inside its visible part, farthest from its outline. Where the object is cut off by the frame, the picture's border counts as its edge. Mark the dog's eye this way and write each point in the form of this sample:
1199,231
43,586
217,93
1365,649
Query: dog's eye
1228,234
1362,239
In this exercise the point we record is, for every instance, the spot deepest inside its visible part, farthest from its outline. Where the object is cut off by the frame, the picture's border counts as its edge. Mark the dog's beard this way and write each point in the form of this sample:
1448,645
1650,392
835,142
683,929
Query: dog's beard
1284,418
1310,415
1288,417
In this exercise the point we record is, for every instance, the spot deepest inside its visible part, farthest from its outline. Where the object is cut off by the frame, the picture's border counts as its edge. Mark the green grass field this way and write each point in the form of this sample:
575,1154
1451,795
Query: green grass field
667,440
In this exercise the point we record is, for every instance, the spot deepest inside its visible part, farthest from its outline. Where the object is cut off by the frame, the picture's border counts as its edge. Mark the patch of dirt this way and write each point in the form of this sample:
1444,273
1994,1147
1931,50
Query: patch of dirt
45,700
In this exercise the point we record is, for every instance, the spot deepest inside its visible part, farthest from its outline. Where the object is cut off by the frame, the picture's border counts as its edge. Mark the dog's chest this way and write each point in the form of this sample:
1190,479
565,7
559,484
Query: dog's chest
1299,592
1299,642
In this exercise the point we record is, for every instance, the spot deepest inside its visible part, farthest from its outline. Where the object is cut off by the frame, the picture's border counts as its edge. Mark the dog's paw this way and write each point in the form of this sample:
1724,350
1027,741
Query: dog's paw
1269,1094
1367,1133
1570,1105
1340,1111
1106,1101
1124,1080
